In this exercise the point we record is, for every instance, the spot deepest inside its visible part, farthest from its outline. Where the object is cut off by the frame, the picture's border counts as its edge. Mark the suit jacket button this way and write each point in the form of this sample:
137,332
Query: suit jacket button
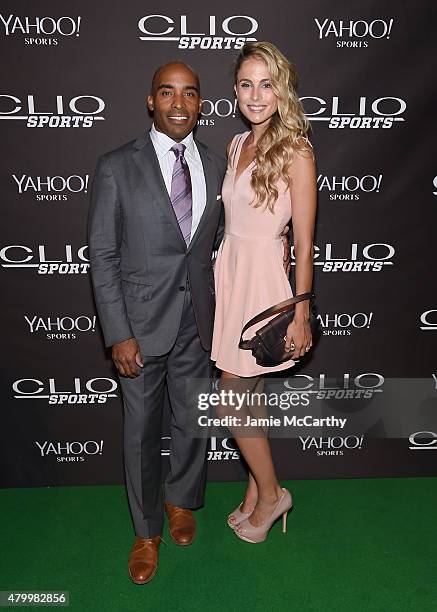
181,288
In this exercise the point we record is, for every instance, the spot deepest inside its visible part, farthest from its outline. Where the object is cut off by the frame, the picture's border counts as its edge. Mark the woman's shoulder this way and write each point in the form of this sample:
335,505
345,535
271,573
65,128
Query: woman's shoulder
303,161
303,144
303,153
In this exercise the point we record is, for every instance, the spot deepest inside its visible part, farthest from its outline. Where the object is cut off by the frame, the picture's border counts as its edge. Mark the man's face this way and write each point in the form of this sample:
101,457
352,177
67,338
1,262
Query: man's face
175,101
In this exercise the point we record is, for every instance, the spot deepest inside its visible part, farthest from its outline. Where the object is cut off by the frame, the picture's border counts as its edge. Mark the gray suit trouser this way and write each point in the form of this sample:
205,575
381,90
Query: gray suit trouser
143,400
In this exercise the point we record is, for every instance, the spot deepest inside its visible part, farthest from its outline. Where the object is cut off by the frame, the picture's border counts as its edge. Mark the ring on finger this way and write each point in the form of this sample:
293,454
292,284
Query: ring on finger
292,345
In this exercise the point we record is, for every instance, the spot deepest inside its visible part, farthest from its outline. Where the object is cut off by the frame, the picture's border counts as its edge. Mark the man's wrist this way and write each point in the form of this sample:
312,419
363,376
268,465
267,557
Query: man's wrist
124,340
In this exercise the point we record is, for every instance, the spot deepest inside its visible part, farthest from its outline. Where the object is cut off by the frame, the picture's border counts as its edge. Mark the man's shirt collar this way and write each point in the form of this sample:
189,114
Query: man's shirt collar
164,143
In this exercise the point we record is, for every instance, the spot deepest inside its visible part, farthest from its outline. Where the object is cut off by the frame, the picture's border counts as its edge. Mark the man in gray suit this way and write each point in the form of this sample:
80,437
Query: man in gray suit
156,215
155,218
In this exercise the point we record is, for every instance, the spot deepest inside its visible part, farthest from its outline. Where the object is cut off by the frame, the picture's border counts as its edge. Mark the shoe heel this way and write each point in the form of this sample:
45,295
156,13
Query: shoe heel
284,522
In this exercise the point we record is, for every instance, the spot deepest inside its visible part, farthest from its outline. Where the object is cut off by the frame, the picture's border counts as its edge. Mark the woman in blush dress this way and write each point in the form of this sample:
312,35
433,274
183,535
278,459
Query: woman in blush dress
270,180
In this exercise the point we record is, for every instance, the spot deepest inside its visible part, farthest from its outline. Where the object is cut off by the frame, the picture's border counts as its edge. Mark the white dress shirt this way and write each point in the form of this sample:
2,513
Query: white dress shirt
163,144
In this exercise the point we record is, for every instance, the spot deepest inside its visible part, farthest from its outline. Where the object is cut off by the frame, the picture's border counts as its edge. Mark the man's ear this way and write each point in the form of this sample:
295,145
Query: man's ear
150,103
200,105
235,90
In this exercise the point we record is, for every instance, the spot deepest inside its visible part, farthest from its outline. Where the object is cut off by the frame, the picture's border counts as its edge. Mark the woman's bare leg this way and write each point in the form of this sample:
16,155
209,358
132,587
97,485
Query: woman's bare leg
251,495
263,486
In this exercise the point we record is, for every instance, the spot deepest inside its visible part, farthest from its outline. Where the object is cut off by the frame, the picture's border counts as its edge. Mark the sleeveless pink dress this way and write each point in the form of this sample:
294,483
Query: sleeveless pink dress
249,274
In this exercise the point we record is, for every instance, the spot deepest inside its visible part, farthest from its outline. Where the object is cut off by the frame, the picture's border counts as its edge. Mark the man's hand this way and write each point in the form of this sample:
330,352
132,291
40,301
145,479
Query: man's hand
127,358
287,250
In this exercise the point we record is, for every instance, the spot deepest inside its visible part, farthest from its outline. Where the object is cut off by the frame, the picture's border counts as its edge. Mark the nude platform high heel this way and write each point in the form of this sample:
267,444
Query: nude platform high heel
249,533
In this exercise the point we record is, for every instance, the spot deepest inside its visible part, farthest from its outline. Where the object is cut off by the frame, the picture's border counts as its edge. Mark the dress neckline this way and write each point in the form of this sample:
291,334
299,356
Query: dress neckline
237,158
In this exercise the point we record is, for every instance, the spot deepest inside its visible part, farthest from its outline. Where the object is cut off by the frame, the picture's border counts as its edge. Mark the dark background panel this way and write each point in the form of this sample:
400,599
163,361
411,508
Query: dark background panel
338,71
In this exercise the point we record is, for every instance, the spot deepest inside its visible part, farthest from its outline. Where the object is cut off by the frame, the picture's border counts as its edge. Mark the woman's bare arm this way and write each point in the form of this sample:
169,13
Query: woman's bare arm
303,191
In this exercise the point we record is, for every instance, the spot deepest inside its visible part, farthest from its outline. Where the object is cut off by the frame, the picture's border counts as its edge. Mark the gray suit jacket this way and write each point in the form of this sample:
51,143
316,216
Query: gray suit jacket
139,259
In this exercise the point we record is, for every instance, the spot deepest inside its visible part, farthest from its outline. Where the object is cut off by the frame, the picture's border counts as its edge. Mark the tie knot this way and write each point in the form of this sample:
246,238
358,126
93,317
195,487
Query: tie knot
178,149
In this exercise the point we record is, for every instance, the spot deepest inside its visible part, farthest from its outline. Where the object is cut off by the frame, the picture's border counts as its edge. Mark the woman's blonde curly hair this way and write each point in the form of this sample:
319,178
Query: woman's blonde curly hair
287,130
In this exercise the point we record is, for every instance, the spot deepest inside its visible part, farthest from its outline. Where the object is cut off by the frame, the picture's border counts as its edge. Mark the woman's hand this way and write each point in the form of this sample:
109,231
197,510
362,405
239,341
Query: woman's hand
286,259
299,339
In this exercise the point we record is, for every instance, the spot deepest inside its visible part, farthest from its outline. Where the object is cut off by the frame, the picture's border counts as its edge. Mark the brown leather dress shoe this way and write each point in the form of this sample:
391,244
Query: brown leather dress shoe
143,559
182,524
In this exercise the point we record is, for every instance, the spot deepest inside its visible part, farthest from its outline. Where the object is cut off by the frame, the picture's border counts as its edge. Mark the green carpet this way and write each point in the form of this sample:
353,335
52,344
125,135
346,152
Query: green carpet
352,545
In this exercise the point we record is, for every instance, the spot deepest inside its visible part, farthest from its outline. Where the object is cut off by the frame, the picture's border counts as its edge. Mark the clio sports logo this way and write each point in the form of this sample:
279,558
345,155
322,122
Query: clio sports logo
222,449
77,391
218,450
209,33
66,260
423,440
352,258
41,31
57,112
359,113
428,320
353,34
344,387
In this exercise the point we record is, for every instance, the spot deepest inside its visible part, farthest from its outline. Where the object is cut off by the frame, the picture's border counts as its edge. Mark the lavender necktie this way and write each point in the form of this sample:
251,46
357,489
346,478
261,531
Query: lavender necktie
181,195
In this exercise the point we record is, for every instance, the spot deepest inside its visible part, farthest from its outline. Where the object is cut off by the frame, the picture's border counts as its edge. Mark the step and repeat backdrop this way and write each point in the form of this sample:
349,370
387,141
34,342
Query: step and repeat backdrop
74,81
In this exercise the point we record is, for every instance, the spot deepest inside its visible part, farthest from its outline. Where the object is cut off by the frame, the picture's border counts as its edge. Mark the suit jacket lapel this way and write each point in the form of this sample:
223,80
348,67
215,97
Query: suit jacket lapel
147,162
211,188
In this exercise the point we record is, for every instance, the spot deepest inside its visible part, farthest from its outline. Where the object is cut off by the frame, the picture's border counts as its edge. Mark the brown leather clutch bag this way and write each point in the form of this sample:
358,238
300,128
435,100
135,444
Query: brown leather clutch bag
268,344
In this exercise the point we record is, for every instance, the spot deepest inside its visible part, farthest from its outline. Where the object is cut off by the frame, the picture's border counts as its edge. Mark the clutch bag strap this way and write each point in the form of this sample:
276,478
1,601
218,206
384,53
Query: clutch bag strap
276,309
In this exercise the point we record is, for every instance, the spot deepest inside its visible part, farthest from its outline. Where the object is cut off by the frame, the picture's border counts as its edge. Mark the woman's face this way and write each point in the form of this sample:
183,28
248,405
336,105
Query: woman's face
256,98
